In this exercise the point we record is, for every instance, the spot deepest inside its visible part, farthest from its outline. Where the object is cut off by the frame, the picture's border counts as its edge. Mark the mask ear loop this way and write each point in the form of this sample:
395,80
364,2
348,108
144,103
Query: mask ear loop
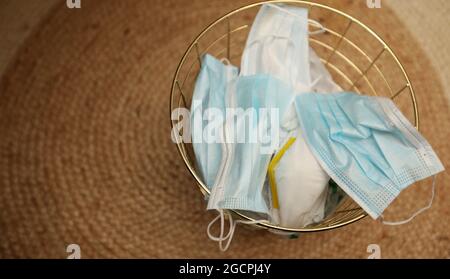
314,83
221,238
232,223
225,61
316,24
397,223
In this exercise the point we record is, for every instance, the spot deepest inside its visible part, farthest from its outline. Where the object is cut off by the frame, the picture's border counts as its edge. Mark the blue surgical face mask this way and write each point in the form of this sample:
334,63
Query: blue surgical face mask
366,145
240,179
209,96
263,101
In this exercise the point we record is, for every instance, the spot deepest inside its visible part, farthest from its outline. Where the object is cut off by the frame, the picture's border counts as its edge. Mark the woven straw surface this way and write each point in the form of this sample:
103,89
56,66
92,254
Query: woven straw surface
86,155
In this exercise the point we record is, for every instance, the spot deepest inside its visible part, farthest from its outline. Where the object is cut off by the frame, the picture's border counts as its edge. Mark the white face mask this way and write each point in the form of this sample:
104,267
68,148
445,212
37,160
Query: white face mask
321,78
278,45
299,186
301,204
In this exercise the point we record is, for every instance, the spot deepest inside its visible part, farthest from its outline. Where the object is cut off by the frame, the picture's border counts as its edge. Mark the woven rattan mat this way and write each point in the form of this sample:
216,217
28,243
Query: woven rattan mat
86,155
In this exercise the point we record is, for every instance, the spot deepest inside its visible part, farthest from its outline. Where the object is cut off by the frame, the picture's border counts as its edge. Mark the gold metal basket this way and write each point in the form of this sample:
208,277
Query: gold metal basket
358,59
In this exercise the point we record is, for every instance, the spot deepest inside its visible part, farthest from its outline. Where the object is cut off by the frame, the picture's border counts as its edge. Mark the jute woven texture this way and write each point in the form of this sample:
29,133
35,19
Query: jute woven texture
86,155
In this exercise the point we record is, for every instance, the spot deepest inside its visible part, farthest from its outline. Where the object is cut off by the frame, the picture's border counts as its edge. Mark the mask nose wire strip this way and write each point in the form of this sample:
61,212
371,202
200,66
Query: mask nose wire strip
271,171
433,190
221,238
313,22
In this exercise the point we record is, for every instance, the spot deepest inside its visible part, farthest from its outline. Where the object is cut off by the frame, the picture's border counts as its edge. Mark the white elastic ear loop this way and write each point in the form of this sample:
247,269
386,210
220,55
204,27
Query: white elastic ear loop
225,61
310,21
417,212
314,83
316,24
221,238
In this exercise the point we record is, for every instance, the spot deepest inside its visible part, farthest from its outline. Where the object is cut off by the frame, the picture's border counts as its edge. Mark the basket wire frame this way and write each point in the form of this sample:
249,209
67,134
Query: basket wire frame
347,211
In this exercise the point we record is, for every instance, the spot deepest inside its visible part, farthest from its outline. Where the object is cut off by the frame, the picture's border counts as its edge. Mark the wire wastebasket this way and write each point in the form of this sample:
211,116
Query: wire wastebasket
357,58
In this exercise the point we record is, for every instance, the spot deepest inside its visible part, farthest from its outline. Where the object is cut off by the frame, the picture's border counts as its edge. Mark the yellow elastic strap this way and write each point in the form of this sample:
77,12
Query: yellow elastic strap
272,165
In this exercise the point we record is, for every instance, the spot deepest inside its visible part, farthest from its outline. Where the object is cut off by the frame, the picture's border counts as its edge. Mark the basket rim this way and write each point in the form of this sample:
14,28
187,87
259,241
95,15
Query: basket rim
205,191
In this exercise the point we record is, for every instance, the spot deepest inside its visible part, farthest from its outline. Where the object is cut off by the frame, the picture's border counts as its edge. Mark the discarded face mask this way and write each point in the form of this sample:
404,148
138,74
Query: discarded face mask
249,140
278,45
224,161
209,96
321,80
240,179
367,146
298,191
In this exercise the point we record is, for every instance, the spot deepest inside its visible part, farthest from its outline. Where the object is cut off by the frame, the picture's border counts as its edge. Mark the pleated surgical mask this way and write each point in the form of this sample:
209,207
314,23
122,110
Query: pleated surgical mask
263,101
240,179
366,145
208,103
278,45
